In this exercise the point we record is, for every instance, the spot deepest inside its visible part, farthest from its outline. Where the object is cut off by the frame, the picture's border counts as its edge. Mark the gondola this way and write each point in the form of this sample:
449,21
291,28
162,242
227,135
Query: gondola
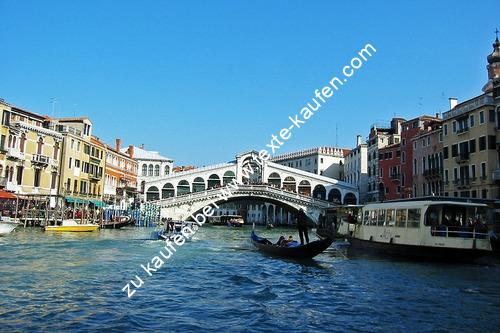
306,251
120,222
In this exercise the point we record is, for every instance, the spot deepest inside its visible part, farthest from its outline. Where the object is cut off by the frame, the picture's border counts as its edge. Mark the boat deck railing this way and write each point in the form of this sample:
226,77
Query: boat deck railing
462,232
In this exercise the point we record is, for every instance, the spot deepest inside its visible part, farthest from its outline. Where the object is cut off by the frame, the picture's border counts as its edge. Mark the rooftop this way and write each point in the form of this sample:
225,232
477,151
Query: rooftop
142,154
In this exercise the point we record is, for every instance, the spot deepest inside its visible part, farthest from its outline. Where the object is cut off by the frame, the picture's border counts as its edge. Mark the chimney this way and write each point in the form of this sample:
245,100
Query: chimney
118,144
131,151
142,146
453,102
438,115
358,140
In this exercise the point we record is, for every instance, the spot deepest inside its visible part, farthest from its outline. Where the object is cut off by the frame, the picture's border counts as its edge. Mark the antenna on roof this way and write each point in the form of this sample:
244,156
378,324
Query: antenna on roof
336,134
53,102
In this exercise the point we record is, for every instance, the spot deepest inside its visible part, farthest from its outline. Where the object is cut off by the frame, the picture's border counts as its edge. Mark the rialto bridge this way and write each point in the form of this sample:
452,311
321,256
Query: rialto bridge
189,191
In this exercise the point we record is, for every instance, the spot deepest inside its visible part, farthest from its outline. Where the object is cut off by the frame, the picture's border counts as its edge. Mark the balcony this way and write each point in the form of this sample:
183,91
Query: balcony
433,173
15,153
463,183
41,160
395,176
95,176
463,157
462,130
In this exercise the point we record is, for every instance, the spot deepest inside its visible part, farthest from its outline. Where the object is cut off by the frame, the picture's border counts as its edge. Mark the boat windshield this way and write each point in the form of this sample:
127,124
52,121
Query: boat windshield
456,220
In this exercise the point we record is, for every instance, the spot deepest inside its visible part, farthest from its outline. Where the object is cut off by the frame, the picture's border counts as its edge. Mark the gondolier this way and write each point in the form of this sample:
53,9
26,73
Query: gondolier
302,227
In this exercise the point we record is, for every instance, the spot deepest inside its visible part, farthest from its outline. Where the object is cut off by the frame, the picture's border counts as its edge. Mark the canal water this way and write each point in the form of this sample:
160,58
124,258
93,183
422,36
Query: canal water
73,283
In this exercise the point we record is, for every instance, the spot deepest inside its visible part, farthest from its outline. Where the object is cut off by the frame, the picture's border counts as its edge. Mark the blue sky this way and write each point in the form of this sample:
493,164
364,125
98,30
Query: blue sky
203,80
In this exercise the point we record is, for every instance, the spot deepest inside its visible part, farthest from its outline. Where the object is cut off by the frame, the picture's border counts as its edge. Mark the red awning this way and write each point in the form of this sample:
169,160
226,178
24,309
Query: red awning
6,195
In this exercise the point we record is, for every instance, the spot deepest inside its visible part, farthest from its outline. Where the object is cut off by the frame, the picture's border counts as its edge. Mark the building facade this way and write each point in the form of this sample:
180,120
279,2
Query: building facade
151,166
356,168
120,177
390,172
380,136
30,154
471,140
324,161
82,162
427,164
410,129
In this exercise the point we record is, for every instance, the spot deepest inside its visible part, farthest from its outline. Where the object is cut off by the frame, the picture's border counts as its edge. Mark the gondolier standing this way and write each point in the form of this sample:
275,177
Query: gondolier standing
302,227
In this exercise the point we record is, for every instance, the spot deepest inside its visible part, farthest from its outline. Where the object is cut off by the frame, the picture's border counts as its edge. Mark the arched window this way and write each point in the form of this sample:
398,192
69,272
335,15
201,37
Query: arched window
22,142
39,148
167,170
150,170
11,173
10,140
144,171
56,151
157,170
143,184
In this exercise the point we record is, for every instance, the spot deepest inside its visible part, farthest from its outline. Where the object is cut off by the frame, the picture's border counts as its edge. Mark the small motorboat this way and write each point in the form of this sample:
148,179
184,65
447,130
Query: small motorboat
72,226
172,229
294,251
7,226
117,223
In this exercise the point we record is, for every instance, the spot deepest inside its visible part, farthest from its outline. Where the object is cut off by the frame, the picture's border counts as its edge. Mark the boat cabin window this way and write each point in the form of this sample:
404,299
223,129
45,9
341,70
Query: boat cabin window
432,216
413,218
372,220
391,218
401,218
366,217
381,217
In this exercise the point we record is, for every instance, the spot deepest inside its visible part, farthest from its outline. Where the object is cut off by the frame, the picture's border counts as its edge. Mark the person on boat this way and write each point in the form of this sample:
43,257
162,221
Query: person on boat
281,240
302,227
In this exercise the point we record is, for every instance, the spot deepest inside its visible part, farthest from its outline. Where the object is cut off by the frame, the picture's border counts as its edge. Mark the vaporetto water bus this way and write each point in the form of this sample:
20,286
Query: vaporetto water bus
442,230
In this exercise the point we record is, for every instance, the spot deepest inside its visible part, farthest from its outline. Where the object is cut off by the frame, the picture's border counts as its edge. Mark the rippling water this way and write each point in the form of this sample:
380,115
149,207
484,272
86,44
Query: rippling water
73,283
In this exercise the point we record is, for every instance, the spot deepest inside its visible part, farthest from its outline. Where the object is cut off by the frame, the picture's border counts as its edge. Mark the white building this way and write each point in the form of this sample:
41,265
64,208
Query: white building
356,168
151,166
325,161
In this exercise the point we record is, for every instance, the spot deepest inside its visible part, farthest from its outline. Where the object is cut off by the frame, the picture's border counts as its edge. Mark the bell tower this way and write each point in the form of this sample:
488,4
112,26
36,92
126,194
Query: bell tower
493,66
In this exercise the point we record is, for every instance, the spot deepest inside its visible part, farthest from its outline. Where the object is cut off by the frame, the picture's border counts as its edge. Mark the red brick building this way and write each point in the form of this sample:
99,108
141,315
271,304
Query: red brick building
410,129
390,172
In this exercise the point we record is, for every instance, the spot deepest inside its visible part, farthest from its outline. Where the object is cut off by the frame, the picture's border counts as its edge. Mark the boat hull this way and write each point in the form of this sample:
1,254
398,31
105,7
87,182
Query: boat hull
306,251
7,227
79,228
419,252
116,225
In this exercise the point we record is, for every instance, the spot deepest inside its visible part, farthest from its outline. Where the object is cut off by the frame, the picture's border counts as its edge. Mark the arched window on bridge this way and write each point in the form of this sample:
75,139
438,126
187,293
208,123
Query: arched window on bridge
153,193
350,199
335,196
144,170
167,170
157,170
150,170
274,180
167,191
228,177
290,184
305,188
198,184
213,181
319,192
183,187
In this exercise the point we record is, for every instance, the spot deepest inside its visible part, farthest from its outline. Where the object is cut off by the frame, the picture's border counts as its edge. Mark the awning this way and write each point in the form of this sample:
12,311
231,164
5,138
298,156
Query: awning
75,200
97,203
6,195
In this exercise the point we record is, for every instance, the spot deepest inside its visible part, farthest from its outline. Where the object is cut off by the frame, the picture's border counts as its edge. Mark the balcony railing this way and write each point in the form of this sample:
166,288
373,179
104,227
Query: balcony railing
95,176
462,157
40,159
433,172
15,153
395,176
462,130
